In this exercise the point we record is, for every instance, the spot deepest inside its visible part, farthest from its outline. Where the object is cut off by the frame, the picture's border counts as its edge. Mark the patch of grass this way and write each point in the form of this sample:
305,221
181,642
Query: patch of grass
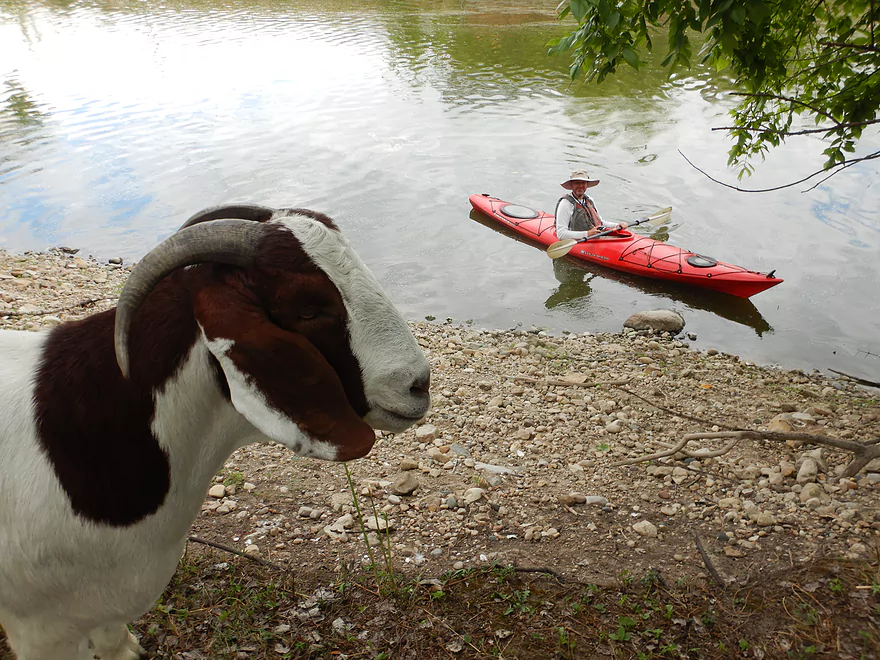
224,608
232,478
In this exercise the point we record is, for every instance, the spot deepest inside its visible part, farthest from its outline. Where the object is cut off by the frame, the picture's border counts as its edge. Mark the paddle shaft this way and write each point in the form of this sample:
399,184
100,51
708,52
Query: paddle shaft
561,248
611,231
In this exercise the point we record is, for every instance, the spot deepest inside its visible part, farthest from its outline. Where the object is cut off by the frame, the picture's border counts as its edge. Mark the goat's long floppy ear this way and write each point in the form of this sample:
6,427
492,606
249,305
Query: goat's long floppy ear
279,381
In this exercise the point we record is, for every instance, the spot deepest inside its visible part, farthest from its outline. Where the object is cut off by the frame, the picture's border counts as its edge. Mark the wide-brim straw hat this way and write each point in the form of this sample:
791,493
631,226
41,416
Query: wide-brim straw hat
580,175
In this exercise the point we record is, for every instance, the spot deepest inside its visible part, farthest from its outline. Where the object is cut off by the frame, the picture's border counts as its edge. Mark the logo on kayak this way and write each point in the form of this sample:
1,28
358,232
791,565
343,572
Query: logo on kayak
590,254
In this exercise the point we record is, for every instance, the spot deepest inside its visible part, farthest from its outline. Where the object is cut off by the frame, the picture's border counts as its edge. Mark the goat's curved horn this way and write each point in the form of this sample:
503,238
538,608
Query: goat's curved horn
233,242
254,212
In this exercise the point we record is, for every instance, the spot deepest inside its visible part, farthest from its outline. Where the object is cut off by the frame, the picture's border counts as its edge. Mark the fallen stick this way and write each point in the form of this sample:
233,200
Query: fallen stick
44,312
565,383
861,381
226,548
715,575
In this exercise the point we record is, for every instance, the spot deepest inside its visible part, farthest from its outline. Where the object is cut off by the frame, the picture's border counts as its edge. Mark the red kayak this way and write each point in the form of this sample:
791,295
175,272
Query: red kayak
629,252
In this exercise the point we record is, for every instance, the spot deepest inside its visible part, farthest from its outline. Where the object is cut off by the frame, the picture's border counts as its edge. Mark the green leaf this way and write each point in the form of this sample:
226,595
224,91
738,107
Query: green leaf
630,57
738,14
613,20
611,50
579,9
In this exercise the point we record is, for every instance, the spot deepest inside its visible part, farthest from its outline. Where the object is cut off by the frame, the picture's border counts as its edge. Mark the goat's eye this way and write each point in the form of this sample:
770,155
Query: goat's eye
308,312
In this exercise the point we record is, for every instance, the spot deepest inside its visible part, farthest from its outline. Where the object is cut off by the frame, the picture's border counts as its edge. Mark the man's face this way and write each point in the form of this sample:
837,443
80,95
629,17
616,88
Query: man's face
578,188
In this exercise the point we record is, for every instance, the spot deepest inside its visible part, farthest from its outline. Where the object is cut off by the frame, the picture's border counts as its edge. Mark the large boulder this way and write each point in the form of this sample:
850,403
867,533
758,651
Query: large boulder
656,320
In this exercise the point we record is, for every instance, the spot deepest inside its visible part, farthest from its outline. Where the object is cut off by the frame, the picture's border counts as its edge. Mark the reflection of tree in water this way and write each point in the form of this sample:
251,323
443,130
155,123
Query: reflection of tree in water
17,107
21,124
574,284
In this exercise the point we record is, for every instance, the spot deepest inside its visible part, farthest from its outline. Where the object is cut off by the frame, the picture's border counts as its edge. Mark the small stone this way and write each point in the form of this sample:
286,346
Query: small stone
405,483
779,426
813,490
379,524
426,433
472,495
645,528
808,472
217,490
657,320
409,464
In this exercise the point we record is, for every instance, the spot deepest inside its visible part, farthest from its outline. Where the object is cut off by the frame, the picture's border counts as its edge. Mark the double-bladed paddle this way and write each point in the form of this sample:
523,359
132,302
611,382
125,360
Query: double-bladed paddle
561,248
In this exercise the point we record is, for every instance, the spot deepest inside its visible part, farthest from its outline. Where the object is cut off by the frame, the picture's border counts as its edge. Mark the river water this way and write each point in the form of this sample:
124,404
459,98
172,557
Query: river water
120,119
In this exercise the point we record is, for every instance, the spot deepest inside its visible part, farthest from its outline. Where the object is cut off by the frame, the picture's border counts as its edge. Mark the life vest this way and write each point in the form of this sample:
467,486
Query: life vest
585,216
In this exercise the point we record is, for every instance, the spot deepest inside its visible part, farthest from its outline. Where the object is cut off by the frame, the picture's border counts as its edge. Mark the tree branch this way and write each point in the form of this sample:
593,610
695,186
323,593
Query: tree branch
864,453
838,44
861,381
787,99
837,169
806,131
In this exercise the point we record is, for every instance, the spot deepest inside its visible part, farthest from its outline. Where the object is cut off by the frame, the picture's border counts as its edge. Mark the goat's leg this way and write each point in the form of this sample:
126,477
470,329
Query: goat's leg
115,642
66,642
39,640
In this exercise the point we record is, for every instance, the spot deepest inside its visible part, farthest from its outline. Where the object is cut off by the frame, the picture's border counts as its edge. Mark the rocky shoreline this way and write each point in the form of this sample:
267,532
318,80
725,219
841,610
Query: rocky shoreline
518,460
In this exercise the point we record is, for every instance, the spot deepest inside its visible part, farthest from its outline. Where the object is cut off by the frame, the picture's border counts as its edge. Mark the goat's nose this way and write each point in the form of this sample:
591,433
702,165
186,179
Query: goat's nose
421,385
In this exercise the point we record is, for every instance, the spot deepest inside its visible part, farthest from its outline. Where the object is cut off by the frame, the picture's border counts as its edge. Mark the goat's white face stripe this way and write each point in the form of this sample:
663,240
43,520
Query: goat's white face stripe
252,404
381,341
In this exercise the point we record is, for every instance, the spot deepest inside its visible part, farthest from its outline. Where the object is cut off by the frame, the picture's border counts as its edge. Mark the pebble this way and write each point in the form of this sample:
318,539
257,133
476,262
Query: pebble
472,495
405,483
645,528
813,491
808,471
217,490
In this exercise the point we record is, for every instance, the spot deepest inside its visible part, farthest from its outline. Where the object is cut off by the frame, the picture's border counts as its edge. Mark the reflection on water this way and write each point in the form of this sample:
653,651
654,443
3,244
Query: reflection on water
574,284
119,119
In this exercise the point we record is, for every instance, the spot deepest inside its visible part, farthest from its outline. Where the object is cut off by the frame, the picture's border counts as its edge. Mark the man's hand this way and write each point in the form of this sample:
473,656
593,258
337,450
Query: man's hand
622,225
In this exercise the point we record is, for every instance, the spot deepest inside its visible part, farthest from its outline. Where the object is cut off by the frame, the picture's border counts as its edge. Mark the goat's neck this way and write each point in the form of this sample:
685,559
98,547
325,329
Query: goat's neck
198,428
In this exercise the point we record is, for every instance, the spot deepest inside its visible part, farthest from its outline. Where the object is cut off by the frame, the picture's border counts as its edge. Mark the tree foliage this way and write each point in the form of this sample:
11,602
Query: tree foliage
802,66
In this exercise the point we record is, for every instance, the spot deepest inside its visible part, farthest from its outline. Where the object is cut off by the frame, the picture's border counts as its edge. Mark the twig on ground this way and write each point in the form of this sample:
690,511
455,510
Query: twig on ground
44,312
670,411
226,548
679,447
565,383
539,570
864,452
715,575
861,381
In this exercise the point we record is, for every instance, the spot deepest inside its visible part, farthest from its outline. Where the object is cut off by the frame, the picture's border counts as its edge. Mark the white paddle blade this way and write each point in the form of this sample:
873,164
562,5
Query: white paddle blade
560,248
659,217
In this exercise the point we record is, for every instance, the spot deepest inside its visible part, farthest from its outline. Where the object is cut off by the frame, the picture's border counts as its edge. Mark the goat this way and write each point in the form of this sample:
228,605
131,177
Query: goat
247,324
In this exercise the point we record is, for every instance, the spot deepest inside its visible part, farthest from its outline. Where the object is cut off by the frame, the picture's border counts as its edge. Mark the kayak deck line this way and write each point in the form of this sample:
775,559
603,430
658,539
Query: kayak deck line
623,250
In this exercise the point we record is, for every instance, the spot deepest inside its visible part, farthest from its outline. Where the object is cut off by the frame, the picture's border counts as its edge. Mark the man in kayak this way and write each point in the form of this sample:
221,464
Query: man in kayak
576,214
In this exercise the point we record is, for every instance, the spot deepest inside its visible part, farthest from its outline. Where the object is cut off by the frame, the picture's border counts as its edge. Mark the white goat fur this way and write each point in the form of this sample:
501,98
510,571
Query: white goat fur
68,586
